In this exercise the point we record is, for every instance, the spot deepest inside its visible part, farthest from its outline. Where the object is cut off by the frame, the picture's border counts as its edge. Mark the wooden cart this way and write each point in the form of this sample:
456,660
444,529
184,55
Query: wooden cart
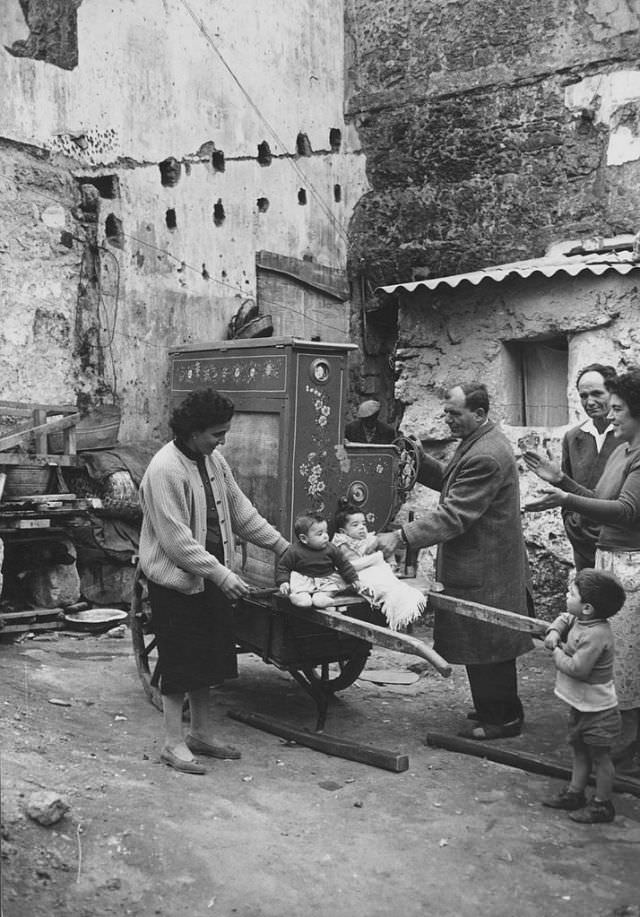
324,650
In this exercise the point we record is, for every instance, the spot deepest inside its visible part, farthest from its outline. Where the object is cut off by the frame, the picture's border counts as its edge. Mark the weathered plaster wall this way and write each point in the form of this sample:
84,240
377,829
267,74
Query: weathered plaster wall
491,129
155,81
457,335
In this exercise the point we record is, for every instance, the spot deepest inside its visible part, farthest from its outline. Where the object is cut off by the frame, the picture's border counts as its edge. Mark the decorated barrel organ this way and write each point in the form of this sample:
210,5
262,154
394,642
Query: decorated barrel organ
286,444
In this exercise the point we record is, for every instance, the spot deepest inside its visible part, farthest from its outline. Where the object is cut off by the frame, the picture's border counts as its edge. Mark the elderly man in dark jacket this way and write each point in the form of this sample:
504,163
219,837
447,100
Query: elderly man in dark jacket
481,557
585,450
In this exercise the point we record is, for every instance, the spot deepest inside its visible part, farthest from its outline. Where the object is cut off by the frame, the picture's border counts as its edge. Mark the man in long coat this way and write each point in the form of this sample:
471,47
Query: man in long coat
481,557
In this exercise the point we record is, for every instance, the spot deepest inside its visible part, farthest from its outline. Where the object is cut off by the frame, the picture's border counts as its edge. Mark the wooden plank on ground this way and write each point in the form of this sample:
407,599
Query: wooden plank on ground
372,633
439,601
530,763
329,745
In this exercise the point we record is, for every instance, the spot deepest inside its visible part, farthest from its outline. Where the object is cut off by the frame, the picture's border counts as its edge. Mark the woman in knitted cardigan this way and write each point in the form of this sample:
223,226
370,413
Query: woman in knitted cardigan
192,509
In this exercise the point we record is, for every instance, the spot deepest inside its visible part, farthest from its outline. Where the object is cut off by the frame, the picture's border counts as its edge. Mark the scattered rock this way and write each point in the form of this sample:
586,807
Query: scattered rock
330,785
59,702
46,807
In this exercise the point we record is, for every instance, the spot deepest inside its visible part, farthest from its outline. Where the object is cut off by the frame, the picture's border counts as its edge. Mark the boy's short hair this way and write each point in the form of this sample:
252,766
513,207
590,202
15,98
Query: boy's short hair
304,521
601,590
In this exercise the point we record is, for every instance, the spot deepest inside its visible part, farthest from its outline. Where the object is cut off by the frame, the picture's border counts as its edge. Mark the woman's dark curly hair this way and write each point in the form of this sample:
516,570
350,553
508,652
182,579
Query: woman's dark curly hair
200,410
627,387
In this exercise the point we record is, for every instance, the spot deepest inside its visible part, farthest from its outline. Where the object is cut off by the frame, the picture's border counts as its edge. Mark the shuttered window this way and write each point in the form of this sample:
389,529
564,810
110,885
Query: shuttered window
535,375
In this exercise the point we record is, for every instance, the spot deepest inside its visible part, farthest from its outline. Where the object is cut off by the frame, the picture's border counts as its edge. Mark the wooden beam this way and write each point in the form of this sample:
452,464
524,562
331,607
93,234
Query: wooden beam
30,614
530,763
31,626
7,442
23,409
534,626
23,458
329,745
372,633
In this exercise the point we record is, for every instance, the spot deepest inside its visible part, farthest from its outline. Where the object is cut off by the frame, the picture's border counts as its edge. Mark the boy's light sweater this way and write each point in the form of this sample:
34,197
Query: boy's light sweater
584,664
174,527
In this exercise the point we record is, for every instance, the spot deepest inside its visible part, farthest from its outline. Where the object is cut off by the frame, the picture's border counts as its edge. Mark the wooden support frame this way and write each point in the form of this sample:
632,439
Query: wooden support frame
39,429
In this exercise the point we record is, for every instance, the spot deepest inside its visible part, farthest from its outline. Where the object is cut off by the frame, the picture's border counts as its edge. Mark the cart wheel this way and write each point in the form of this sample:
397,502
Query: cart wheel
409,462
330,677
144,641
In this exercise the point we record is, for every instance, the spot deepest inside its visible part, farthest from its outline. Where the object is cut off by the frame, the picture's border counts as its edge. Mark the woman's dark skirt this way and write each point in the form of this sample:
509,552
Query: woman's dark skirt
196,647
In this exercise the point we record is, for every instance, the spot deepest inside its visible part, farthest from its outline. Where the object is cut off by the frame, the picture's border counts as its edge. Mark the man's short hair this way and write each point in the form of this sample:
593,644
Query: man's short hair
601,590
304,521
475,395
607,372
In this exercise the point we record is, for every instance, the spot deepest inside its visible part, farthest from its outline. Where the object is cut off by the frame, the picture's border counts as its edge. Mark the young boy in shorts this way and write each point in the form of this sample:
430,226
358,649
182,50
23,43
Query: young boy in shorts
583,652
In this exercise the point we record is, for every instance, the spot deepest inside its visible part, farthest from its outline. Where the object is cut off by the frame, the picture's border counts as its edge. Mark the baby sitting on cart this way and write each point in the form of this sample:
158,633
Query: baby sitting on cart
400,603
312,570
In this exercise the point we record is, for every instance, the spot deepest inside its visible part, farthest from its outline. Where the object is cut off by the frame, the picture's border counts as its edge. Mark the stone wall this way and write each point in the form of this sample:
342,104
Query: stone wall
491,129
147,152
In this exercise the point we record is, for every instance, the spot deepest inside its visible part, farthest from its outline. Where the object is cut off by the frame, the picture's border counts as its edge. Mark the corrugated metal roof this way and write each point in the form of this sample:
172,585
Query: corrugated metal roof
622,262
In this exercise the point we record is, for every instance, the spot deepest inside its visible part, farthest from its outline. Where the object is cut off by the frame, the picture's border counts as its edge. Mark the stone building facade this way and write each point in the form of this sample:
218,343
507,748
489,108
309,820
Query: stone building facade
525,329
493,132
159,164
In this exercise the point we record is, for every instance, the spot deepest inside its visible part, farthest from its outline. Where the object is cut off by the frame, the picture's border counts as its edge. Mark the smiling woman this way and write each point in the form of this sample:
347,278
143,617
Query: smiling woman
614,504
192,509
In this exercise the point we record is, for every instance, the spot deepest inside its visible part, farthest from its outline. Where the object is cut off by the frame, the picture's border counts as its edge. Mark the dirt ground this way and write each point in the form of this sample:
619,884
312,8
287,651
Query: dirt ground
287,830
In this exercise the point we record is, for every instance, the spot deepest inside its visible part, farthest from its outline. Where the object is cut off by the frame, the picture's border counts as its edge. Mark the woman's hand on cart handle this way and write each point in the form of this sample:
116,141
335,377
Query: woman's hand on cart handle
234,587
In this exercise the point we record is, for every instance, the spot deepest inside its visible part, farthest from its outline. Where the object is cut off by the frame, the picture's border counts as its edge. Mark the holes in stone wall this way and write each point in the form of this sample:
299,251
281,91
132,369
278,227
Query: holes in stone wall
170,170
113,231
263,204
170,219
264,154
217,160
335,139
219,215
107,186
302,196
303,147
337,193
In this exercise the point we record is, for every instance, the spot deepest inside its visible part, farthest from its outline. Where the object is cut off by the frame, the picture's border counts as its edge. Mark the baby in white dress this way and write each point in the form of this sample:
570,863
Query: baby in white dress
400,603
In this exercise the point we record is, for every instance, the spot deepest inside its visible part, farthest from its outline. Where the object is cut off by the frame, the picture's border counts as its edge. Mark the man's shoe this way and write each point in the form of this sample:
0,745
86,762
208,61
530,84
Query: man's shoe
567,799
179,764
596,813
486,732
198,747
